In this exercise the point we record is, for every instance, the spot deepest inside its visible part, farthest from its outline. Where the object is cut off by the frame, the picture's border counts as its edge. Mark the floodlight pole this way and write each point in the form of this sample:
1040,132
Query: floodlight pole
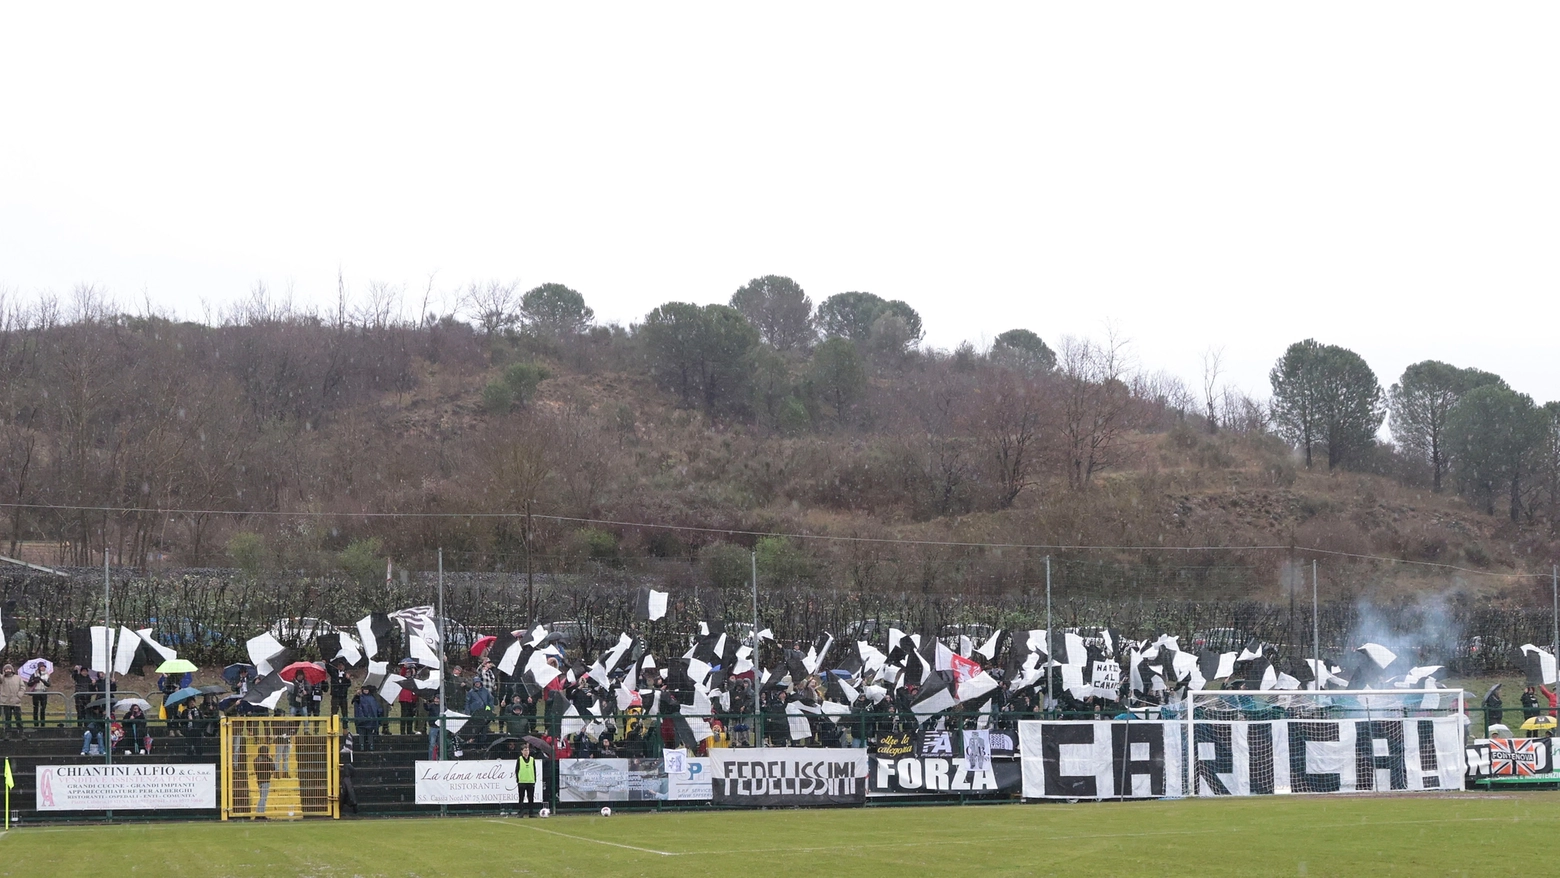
1554,584
1316,630
754,558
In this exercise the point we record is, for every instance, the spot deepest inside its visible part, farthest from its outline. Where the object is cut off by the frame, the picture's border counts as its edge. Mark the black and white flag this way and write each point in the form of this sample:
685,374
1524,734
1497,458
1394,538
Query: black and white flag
649,604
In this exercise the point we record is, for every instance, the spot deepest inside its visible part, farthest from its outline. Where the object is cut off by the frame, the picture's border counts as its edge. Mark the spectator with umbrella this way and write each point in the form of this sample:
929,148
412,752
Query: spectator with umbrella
238,676
135,728
407,700
38,686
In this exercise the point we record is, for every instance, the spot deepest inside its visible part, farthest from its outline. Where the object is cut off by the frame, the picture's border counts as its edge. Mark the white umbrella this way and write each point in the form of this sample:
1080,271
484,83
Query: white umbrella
127,703
36,666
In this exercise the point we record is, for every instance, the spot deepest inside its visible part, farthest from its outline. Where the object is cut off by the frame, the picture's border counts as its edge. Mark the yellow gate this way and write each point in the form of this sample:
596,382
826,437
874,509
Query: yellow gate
281,768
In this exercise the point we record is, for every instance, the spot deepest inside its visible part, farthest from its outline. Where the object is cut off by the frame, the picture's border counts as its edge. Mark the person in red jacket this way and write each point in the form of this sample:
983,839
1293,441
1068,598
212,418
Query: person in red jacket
1552,697
408,702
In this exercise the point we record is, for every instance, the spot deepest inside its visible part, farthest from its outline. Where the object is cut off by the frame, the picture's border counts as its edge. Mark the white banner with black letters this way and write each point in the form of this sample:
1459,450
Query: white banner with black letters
1145,759
769,777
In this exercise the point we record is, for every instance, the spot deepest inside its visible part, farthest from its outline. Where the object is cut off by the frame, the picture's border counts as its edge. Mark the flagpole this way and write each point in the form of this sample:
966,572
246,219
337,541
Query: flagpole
1316,629
754,558
1049,653
443,669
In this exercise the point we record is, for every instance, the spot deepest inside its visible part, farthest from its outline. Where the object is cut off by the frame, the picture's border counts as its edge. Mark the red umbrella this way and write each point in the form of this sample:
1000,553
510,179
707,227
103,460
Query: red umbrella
310,671
482,644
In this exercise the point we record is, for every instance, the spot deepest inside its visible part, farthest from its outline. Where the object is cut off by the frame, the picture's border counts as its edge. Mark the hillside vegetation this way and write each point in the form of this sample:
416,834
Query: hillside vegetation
680,437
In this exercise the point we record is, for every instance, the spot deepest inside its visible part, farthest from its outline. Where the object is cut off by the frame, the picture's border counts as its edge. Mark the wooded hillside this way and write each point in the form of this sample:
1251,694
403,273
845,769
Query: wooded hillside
283,439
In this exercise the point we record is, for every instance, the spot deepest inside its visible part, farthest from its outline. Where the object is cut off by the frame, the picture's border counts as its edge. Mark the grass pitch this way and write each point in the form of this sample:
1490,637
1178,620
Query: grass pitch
1454,834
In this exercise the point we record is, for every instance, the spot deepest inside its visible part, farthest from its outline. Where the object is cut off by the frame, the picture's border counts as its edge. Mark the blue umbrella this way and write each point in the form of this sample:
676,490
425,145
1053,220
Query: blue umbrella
184,694
231,672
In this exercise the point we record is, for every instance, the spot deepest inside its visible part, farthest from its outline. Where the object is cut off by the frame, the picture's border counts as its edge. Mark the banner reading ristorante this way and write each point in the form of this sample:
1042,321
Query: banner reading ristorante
769,777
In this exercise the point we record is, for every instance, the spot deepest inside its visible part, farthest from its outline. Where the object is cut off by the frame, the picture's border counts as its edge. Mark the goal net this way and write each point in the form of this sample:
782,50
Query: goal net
1240,742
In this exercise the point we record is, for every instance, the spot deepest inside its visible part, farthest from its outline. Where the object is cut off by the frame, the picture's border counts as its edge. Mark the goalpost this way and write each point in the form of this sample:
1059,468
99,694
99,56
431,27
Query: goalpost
1256,742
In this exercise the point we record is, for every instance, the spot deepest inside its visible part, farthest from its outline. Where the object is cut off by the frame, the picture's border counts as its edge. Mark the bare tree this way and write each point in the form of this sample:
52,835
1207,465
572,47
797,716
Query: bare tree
1095,398
493,304
1212,368
1010,424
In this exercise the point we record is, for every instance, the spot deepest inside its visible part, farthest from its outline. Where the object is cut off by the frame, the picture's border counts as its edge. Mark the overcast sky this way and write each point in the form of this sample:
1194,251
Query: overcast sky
1240,176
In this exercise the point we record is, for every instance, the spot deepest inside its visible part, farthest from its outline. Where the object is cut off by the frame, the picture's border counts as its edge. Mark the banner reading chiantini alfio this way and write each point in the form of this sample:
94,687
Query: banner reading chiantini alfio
767,777
1096,760
138,787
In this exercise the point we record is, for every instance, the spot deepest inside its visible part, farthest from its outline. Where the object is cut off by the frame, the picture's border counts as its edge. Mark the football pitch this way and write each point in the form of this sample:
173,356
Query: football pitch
1453,834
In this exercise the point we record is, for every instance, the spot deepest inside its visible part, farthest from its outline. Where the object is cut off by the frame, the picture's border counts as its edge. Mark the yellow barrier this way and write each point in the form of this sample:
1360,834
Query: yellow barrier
281,768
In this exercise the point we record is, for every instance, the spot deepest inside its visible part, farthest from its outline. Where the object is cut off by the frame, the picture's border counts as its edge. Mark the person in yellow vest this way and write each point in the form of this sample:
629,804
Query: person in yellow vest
525,778
720,738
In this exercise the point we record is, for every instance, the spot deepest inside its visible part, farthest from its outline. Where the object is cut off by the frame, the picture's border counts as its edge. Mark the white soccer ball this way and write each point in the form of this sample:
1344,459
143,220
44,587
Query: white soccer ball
545,812
606,812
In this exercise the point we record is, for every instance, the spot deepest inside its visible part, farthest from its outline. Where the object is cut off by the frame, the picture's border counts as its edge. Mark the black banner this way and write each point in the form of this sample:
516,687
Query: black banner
936,776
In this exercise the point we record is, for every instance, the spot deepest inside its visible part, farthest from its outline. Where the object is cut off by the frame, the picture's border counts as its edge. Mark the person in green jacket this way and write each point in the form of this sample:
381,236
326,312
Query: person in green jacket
525,777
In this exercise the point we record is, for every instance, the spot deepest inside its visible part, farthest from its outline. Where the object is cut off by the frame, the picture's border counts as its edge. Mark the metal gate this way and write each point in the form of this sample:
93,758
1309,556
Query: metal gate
281,768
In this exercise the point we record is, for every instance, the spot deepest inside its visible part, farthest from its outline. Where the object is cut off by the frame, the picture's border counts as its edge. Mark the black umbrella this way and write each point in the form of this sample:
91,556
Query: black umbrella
213,690
231,672
539,745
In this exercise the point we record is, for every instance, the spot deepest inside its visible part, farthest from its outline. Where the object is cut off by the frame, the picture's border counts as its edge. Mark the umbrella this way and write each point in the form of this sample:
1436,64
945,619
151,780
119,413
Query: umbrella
177,666
213,690
1539,724
127,703
540,746
184,694
499,742
311,672
36,666
231,672
97,702
482,644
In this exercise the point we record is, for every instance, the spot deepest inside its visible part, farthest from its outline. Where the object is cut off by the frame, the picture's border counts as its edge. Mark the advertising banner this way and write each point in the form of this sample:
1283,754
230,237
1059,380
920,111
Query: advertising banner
1528,758
767,777
932,775
1096,760
126,787
633,780
469,782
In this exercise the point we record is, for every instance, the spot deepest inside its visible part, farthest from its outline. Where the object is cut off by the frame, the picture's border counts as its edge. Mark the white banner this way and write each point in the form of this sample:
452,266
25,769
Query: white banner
126,787
784,777
1145,759
470,782
634,780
